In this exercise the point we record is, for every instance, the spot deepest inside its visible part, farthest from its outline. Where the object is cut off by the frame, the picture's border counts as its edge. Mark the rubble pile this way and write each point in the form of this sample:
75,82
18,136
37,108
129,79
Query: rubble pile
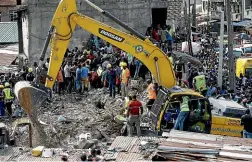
70,116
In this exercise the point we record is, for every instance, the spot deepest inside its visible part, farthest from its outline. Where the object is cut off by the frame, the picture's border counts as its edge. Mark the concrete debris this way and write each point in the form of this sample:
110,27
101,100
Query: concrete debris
61,119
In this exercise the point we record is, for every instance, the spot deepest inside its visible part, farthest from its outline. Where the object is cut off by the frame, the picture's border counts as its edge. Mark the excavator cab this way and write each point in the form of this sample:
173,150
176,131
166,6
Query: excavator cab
166,108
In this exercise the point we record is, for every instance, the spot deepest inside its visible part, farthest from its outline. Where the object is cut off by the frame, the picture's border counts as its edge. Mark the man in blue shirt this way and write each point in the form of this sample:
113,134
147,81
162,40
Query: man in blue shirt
84,77
78,78
111,78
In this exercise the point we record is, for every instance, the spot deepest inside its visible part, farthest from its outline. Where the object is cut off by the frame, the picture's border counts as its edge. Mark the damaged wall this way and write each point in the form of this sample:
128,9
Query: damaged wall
136,13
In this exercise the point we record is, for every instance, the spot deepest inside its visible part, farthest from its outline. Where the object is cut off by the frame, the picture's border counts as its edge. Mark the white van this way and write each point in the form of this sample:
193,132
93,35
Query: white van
227,108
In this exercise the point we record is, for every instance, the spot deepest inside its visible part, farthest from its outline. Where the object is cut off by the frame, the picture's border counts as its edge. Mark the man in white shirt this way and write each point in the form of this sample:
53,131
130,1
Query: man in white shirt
109,48
67,72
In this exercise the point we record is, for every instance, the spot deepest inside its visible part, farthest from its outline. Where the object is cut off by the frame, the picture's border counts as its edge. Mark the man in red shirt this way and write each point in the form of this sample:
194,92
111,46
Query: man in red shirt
135,109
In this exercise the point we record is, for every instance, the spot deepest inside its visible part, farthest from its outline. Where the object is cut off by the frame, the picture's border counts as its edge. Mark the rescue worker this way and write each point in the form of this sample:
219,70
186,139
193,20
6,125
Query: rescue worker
200,84
30,76
152,94
183,114
125,79
246,122
111,78
2,110
135,109
8,98
179,69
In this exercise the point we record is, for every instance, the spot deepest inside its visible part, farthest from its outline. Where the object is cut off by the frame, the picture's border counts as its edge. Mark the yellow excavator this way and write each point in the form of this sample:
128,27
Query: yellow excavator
65,19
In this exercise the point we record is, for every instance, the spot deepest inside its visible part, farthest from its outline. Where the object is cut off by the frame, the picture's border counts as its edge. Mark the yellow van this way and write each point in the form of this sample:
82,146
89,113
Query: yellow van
165,110
244,66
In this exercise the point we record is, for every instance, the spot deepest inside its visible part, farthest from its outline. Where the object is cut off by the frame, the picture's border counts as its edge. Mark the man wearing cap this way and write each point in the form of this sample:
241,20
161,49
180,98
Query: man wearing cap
8,97
125,79
111,78
30,76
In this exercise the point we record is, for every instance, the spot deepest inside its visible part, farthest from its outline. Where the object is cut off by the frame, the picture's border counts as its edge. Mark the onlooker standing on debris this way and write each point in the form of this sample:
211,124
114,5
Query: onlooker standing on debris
135,110
78,81
84,77
111,78
152,94
246,120
125,79
67,73
179,69
169,38
183,114
60,80
8,98
2,110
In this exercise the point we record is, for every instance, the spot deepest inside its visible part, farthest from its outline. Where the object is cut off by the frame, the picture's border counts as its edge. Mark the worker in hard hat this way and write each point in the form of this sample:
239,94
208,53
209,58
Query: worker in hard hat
2,106
8,97
125,79
152,94
111,79
30,76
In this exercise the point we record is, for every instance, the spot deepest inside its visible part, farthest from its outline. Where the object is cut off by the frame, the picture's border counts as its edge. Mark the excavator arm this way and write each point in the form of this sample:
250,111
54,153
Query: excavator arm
64,22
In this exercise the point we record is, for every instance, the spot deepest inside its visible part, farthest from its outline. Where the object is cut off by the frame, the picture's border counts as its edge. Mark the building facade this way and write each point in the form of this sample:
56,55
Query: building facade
8,10
138,14
219,5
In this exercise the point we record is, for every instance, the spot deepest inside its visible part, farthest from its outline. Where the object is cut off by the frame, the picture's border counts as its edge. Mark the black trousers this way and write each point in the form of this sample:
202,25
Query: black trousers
8,107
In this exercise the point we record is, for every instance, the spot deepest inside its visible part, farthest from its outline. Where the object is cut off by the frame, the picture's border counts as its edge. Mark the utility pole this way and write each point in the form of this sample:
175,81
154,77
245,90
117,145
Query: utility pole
230,46
208,15
189,40
194,14
221,50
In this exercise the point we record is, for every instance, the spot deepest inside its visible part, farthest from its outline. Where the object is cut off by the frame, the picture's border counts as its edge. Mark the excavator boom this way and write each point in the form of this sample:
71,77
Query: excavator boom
64,22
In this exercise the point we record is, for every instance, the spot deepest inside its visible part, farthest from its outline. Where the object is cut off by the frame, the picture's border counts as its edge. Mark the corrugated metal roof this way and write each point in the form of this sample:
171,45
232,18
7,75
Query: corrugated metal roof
8,32
6,59
228,148
8,2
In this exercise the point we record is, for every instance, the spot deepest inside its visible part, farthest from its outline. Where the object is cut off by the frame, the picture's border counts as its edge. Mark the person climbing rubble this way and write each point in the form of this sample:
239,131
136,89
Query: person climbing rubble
8,98
135,109
125,79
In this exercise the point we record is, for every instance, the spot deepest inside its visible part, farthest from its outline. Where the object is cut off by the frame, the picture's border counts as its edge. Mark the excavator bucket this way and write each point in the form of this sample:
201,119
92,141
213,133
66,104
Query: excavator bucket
29,96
